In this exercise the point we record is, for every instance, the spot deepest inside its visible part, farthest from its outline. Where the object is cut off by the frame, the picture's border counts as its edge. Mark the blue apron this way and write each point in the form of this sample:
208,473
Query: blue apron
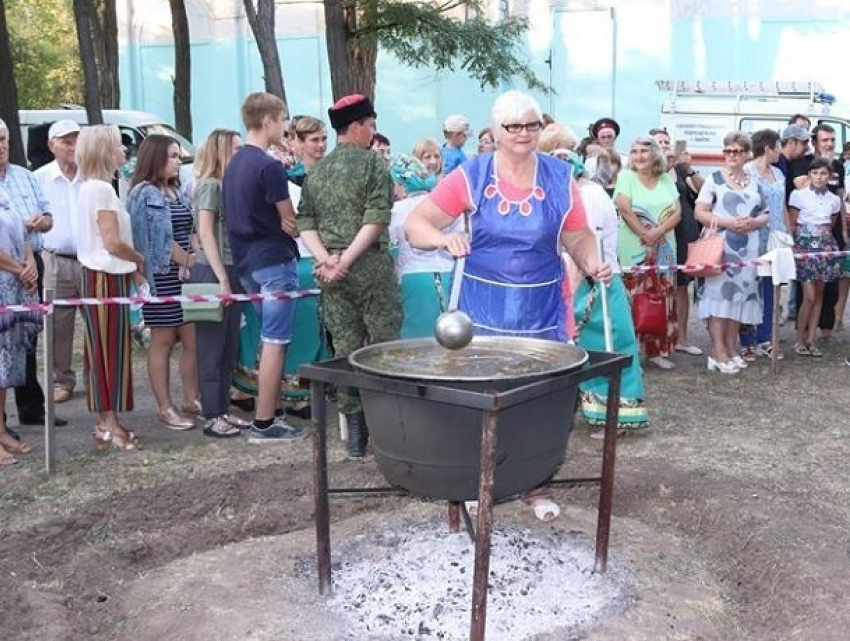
513,279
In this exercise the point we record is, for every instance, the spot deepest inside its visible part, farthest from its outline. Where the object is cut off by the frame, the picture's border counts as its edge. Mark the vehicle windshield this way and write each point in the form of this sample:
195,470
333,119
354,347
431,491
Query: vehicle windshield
187,149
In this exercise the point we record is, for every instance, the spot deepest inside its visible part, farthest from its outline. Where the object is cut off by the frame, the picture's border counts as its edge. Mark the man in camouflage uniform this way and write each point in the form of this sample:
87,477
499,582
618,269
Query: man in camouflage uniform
342,218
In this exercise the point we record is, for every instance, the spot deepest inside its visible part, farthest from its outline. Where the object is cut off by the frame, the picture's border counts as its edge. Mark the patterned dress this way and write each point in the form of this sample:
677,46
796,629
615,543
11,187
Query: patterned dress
17,329
734,294
168,284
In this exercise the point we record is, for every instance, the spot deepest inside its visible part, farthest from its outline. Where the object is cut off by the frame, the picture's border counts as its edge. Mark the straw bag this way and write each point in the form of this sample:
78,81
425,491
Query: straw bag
705,250
649,308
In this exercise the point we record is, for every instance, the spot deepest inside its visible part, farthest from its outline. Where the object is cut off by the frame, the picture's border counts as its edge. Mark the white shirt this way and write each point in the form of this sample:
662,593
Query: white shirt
602,220
95,196
814,208
62,194
411,260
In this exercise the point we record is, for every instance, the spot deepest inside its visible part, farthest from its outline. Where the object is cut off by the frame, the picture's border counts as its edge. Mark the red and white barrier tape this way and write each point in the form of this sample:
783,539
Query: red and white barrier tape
139,300
747,263
237,298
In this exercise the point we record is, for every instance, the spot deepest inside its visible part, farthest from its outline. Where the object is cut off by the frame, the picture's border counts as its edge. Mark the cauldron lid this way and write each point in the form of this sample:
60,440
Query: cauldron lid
485,358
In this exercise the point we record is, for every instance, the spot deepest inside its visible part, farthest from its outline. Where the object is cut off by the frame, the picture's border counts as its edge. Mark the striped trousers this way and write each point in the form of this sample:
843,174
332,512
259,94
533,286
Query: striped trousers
108,344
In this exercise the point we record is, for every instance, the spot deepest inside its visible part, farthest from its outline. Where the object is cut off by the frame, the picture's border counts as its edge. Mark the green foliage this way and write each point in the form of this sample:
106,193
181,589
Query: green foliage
432,33
44,49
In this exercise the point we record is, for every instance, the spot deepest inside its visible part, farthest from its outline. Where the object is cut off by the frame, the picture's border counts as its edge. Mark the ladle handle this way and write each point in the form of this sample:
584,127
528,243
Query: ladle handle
603,288
460,263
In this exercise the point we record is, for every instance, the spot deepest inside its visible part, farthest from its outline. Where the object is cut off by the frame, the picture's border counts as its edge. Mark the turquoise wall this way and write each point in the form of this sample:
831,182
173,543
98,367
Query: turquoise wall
573,53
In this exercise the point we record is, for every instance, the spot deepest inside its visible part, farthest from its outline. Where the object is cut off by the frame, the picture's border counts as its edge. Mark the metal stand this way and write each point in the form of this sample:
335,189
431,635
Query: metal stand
338,372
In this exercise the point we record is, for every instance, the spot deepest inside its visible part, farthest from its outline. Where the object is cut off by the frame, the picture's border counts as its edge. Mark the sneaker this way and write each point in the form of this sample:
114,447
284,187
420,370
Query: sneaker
278,432
766,350
748,354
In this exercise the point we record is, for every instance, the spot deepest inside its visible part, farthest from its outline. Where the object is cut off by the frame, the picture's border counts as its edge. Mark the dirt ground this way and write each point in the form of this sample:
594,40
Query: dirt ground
731,514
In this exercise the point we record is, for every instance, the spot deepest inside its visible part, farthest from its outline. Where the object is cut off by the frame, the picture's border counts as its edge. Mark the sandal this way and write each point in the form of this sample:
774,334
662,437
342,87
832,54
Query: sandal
8,443
219,428
6,457
125,441
814,351
545,509
801,350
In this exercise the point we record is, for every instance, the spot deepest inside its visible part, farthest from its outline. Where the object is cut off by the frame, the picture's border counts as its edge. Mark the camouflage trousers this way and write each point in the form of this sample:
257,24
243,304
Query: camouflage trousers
361,309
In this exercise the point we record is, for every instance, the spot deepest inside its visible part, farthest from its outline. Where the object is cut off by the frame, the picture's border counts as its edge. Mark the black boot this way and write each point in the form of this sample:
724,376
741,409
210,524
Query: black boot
358,435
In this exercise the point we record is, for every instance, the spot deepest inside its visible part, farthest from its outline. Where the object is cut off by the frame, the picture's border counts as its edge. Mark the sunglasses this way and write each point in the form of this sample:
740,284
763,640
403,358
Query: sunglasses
733,152
516,127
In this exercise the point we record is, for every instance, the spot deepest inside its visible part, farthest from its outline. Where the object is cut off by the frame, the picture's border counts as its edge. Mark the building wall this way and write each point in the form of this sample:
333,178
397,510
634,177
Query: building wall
600,60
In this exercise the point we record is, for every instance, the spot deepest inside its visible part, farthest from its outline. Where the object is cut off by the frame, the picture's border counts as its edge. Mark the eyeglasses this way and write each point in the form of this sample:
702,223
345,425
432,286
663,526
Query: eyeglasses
516,127
733,152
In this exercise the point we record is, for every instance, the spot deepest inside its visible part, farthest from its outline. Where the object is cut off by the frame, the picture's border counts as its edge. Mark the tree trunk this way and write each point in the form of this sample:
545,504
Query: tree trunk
110,85
9,95
352,58
336,35
182,68
84,17
261,20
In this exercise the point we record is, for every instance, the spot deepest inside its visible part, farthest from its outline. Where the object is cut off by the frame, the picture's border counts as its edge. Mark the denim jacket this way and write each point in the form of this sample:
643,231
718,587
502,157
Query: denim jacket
150,215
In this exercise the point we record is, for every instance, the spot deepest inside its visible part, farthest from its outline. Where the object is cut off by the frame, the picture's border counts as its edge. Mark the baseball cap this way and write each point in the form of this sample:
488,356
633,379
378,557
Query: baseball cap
796,132
456,123
63,128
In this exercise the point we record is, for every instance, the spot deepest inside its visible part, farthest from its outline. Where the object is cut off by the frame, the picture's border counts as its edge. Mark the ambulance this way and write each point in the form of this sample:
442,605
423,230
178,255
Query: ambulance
698,114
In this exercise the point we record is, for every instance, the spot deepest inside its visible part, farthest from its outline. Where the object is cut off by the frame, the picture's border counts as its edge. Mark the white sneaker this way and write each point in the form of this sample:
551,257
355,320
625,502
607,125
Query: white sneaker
724,367
662,362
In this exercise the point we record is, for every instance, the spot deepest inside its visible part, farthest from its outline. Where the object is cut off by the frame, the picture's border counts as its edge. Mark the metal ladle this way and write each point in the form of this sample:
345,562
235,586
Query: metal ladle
453,328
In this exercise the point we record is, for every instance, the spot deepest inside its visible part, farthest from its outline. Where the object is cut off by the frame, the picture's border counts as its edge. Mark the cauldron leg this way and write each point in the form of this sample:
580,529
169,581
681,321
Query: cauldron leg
485,526
320,486
606,489
454,517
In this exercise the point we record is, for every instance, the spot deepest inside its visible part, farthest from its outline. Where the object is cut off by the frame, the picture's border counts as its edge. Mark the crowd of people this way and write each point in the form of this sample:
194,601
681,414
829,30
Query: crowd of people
544,219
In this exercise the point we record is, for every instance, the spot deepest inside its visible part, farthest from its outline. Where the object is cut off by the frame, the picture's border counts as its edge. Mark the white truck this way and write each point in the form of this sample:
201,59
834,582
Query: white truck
700,113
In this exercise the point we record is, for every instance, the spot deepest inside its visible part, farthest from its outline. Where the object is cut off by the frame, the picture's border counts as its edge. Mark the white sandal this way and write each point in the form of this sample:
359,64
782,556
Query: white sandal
545,509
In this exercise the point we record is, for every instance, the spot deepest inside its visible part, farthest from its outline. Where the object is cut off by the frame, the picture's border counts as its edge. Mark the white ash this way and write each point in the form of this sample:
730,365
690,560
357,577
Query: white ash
415,582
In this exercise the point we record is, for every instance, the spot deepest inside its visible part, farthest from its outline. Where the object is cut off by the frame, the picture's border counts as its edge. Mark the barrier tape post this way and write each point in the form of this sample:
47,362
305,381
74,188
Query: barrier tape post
774,338
47,354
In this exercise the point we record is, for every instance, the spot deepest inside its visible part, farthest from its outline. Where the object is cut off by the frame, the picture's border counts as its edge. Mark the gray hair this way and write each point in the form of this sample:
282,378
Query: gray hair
659,161
738,138
510,107
4,126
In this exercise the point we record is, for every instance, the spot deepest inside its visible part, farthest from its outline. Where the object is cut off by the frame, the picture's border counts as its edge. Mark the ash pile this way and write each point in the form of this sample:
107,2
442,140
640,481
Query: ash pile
415,582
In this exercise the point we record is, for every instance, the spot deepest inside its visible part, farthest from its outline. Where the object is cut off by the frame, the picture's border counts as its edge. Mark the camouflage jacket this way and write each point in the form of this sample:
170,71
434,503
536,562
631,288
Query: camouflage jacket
348,188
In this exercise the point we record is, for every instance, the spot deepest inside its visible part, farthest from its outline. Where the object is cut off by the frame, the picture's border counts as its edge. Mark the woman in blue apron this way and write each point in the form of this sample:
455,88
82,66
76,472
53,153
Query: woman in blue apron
524,207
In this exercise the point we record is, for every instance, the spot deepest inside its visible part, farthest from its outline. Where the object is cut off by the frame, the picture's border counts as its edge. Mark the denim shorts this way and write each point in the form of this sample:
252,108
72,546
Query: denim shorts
277,316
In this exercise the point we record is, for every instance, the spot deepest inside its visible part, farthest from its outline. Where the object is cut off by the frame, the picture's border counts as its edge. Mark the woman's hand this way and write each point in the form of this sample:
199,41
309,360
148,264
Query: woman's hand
29,272
650,236
599,271
457,244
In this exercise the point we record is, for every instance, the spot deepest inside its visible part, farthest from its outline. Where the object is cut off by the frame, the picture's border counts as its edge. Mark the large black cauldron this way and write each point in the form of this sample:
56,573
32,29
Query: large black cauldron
433,449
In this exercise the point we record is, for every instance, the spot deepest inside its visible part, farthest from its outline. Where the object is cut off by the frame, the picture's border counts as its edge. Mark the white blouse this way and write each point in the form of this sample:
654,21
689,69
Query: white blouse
95,196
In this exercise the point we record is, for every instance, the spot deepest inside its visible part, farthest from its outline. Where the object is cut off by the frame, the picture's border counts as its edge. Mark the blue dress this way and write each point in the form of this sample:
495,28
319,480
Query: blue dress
513,278
168,284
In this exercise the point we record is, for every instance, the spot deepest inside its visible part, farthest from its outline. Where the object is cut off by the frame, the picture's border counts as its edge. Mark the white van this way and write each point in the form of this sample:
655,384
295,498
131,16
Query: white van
700,113
135,126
